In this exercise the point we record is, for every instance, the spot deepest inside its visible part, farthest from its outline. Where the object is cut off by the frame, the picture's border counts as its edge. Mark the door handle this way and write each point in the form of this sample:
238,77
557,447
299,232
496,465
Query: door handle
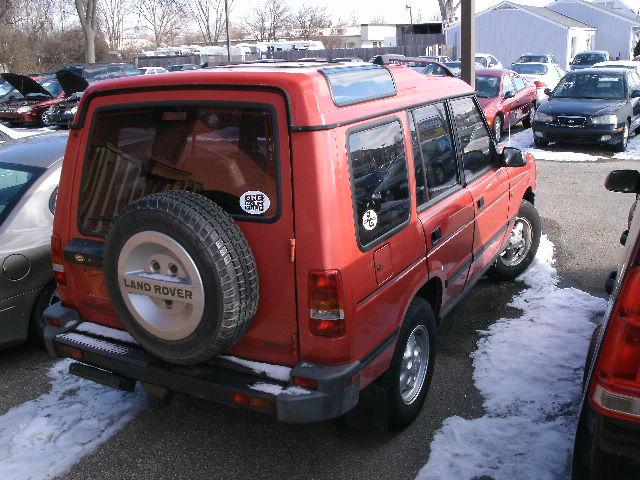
436,236
480,203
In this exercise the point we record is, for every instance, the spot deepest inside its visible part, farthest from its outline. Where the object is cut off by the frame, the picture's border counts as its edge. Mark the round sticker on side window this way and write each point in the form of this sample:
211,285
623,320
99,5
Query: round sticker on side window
369,220
254,202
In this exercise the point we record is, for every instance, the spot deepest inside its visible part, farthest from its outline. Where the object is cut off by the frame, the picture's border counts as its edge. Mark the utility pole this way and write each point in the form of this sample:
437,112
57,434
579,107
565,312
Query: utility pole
226,14
408,7
468,37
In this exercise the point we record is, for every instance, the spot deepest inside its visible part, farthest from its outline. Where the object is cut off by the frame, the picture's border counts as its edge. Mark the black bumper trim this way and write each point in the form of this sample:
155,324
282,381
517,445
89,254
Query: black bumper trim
338,386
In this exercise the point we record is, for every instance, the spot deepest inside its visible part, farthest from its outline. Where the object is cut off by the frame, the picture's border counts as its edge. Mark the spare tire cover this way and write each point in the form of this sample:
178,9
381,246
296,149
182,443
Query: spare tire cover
181,276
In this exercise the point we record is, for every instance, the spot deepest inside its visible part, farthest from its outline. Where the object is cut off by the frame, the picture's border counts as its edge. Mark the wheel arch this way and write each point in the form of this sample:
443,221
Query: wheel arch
529,196
431,291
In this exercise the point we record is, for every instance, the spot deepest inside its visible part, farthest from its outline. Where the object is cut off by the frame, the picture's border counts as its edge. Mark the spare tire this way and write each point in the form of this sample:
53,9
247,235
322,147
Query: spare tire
181,276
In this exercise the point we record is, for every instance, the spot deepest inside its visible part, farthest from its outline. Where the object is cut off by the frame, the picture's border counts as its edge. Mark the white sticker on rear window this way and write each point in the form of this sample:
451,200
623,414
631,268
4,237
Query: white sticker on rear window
369,220
254,202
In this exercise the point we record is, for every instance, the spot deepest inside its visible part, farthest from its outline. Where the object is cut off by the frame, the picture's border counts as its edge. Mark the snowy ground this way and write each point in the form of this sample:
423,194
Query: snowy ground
523,139
44,437
529,371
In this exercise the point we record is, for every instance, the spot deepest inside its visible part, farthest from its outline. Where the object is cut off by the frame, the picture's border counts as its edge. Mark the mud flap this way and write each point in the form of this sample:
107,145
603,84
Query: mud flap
370,414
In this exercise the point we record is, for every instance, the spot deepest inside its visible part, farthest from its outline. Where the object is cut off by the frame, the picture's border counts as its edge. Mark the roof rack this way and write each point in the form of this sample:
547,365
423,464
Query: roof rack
391,59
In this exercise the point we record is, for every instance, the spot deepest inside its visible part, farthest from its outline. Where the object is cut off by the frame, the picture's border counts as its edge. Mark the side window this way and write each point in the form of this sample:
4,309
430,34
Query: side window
380,180
473,137
519,82
421,187
435,148
493,61
508,84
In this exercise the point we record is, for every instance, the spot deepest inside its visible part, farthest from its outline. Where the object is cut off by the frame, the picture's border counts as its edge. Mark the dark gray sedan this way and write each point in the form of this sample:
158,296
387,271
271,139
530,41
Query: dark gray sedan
29,175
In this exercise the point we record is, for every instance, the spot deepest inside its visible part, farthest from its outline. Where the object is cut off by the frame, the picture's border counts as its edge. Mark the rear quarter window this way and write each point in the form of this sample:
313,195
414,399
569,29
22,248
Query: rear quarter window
379,181
225,153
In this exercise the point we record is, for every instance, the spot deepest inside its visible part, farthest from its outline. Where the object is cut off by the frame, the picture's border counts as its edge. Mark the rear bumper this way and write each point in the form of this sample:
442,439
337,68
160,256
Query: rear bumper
605,448
220,380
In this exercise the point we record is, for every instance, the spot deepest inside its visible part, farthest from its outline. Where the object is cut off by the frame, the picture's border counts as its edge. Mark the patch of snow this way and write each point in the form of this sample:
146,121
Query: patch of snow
278,372
106,332
45,437
524,141
278,389
529,371
15,134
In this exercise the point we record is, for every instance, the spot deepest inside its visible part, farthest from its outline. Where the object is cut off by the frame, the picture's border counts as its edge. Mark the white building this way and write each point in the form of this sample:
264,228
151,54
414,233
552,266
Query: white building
618,28
508,30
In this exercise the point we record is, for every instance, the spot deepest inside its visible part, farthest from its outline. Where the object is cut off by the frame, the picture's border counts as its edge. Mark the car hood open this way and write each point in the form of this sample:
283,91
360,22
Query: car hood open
71,82
25,85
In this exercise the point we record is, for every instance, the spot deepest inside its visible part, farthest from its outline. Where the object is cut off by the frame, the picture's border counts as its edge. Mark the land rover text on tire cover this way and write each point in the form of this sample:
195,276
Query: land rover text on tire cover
282,238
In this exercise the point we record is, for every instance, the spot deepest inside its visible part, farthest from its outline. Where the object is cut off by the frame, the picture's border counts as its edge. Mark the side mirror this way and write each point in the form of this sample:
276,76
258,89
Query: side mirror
509,94
635,93
623,181
548,92
512,157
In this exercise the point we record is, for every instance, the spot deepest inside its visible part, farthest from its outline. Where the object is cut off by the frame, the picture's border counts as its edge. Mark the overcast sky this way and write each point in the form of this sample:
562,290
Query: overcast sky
393,11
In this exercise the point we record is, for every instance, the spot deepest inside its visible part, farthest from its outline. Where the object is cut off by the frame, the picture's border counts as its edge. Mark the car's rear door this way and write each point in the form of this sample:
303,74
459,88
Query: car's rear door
234,152
487,183
445,208
522,100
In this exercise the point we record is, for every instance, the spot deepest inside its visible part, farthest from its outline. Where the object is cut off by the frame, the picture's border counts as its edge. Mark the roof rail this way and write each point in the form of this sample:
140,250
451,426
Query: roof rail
413,61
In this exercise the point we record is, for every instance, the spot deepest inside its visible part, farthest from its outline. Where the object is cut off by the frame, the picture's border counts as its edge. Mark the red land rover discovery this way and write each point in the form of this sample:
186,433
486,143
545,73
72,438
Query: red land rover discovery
280,237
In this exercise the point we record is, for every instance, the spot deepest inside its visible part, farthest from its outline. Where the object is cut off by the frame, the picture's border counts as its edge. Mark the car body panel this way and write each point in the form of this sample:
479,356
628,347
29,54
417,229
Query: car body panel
25,233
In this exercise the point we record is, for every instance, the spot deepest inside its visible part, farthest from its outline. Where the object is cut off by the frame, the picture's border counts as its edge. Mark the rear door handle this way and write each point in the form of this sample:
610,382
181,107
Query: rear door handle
436,236
480,203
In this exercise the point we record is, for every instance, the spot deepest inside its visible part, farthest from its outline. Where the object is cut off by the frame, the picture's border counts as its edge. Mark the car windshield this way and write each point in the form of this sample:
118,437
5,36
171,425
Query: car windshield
14,181
487,87
52,86
5,88
589,58
532,58
530,68
591,85
226,154
482,61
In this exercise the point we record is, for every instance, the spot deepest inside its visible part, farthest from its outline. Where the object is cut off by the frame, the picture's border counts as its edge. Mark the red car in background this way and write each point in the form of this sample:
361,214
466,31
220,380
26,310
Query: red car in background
506,98
38,95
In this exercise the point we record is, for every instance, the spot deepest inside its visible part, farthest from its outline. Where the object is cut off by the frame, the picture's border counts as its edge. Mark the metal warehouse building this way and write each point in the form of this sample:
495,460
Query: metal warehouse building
618,29
508,30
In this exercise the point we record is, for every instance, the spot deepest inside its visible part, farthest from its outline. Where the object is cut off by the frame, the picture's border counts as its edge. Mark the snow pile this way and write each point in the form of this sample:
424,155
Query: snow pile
524,141
15,134
44,437
277,372
105,332
277,389
529,371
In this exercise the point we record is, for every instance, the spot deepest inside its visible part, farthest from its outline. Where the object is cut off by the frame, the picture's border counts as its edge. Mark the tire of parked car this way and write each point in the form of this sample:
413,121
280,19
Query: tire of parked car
497,128
523,245
540,143
47,296
622,146
181,275
528,120
407,380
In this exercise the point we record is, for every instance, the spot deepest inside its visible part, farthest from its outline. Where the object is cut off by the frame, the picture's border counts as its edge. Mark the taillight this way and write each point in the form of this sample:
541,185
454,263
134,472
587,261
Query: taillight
540,84
57,259
616,381
326,303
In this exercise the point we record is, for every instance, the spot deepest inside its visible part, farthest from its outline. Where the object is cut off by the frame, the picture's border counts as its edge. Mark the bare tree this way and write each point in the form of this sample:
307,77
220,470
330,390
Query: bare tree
211,18
448,9
162,17
269,21
89,21
310,20
112,19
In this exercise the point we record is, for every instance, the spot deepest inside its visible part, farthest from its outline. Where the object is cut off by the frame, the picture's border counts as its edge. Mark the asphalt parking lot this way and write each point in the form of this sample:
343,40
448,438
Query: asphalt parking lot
190,438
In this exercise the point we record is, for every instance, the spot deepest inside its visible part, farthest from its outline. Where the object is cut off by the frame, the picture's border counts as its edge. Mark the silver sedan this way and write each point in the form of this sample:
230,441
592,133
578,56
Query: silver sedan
29,176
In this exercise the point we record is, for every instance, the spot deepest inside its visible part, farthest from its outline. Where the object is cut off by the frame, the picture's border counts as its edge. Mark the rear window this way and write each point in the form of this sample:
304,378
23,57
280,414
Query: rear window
225,154
532,58
15,180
